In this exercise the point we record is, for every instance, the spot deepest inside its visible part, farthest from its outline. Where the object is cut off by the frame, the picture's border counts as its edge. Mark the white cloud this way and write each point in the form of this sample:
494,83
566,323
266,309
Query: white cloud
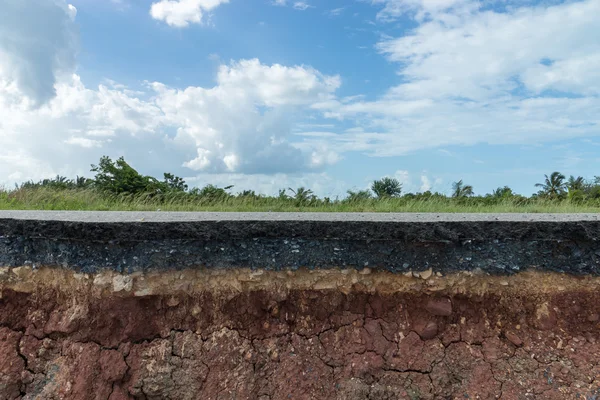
37,46
579,74
336,11
527,75
425,184
486,54
421,9
180,13
297,5
83,142
301,5
241,125
403,177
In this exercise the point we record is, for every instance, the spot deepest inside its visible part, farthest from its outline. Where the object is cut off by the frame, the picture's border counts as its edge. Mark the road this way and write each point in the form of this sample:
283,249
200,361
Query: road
136,216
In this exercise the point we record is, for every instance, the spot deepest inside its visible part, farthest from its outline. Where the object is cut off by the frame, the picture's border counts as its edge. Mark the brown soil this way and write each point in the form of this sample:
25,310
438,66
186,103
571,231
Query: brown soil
240,334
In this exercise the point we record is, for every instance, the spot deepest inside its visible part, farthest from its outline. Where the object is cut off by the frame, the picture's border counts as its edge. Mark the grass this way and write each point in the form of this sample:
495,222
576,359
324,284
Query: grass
89,200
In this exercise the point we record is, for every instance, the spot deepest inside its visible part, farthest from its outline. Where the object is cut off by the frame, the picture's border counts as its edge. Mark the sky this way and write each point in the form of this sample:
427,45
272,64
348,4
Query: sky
326,94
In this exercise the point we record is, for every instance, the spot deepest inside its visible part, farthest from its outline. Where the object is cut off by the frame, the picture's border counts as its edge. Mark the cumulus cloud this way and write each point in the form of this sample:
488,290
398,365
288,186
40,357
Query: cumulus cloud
241,125
37,46
181,13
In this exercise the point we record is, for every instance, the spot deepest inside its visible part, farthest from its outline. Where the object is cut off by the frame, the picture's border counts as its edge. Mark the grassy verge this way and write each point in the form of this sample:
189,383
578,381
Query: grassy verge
88,199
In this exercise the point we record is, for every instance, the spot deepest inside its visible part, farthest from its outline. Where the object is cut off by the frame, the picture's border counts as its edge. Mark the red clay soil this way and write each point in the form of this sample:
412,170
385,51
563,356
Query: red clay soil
323,335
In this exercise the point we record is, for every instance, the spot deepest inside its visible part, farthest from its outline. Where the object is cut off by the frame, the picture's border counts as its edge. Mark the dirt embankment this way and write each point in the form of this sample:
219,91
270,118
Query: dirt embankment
335,334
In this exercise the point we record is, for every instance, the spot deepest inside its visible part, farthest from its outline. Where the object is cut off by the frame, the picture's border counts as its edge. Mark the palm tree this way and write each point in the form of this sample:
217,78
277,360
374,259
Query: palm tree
574,184
554,185
459,190
386,187
82,182
502,192
302,195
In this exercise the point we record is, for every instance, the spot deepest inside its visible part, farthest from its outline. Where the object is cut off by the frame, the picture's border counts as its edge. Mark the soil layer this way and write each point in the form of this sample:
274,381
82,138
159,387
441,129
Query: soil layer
325,334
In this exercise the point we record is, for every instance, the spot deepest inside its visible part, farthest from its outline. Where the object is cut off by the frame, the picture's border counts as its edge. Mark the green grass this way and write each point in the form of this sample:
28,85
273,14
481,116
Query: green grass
87,199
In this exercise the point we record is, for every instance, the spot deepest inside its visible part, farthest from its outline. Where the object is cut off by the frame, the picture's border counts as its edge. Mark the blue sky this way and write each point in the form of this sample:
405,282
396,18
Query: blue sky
267,94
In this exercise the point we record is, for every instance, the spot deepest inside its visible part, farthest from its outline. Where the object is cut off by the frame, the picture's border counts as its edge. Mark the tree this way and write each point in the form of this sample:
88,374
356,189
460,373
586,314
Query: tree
120,177
302,196
460,190
554,186
212,192
574,184
57,183
82,182
386,187
282,195
175,183
502,192
248,194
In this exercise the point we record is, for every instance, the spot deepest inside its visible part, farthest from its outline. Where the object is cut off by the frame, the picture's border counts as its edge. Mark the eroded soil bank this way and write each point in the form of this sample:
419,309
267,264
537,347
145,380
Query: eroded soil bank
334,334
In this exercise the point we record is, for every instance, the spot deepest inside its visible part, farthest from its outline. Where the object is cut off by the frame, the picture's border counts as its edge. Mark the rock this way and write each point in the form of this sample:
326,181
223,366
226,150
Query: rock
426,274
514,339
112,365
102,280
67,321
122,283
21,272
441,307
147,291
429,331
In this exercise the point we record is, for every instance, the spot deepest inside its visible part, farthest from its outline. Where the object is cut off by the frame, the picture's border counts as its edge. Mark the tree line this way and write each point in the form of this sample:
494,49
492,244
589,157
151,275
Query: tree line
118,177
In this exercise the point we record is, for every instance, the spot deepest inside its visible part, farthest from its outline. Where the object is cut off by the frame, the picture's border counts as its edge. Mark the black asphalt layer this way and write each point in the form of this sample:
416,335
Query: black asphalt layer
140,241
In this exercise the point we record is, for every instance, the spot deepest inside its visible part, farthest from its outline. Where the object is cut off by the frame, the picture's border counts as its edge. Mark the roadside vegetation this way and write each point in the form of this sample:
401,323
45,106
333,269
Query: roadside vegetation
118,186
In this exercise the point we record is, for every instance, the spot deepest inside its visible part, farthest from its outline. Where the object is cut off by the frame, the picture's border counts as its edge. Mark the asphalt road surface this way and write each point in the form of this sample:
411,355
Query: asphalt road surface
158,216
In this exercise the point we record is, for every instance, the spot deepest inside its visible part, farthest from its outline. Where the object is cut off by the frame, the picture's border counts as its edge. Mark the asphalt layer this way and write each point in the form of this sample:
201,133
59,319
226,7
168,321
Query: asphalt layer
158,216
140,241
